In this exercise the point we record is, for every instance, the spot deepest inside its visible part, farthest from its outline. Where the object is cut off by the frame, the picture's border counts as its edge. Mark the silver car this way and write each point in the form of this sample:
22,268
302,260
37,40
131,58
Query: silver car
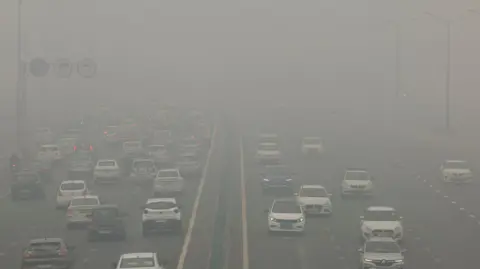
143,171
381,253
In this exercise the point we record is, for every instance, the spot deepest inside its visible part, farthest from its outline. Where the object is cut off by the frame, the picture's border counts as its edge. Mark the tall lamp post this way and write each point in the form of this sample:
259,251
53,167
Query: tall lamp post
448,25
21,87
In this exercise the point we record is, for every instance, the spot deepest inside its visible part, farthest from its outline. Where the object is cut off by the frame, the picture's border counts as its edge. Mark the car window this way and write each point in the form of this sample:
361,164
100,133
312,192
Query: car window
45,246
286,207
380,215
84,201
357,175
48,149
312,141
161,205
455,165
169,173
382,247
106,163
137,262
105,213
313,192
72,186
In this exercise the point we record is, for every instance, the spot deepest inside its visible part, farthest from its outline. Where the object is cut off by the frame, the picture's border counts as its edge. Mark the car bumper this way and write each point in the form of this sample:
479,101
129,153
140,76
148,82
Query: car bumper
46,264
161,225
317,210
295,227
367,265
357,192
458,180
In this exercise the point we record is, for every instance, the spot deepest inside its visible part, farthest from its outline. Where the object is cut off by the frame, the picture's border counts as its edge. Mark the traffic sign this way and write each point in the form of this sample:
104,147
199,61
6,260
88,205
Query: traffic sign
39,67
87,68
63,68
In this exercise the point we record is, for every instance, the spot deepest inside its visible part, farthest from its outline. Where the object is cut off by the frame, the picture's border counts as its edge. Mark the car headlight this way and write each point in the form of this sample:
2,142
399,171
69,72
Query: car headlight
273,219
301,219
266,180
399,261
367,260
288,179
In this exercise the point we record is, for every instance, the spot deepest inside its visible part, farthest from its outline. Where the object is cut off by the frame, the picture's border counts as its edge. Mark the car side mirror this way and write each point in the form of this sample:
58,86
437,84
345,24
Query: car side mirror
360,250
114,265
362,217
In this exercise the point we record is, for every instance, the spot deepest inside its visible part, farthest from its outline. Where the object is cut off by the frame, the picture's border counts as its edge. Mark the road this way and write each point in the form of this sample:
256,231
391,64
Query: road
441,221
22,221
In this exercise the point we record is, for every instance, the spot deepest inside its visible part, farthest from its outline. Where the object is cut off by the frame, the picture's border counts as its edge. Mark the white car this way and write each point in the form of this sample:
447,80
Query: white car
67,145
384,253
106,170
159,154
110,134
143,171
268,153
268,138
357,182
312,145
315,200
286,215
43,136
381,221
68,190
80,209
456,171
144,260
161,214
132,147
168,181
49,153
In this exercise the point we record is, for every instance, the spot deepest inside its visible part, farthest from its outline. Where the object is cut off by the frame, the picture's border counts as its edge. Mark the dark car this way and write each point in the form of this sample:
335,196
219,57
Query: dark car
107,223
51,253
27,185
277,176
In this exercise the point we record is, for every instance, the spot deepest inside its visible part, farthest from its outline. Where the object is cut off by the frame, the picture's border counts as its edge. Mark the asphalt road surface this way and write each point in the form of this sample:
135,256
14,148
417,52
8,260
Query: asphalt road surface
441,222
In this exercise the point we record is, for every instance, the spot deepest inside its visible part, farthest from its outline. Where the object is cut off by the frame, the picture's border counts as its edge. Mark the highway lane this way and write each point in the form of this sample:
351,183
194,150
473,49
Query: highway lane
29,219
433,229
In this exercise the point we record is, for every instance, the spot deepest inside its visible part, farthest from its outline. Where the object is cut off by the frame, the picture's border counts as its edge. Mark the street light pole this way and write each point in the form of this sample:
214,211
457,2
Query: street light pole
448,76
21,87
398,65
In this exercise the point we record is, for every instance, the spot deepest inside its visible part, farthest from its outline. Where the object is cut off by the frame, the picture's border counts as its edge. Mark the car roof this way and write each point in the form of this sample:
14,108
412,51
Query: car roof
138,255
46,240
106,160
73,181
380,239
455,161
312,187
165,199
50,146
380,208
85,197
168,170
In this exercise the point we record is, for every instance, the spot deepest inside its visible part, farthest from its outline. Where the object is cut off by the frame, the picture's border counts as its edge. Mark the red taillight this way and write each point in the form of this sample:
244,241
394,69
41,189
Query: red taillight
105,132
62,252
91,148
69,212
14,165
27,254
74,148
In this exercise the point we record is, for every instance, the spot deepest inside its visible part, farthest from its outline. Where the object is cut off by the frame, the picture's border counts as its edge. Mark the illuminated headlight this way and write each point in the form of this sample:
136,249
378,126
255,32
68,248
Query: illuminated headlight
266,180
367,260
399,261
301,219
288,179
273,219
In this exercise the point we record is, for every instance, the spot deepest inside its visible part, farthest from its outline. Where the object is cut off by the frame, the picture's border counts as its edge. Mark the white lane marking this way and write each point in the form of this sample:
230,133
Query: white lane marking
453,202
302,255
472,216
445,196
193,217
462,209
245,257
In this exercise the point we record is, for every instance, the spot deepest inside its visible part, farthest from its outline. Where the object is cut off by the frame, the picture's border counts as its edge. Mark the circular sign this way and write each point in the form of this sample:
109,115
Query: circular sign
87,68
63,68
38,67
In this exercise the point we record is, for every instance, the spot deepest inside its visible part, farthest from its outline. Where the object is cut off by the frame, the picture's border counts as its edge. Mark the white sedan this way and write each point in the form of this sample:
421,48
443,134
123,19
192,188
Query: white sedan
106,171
315,200
456,171
312,145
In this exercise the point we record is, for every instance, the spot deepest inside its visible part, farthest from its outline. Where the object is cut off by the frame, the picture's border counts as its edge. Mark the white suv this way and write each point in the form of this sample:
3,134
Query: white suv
161,214
68,190
145,260
286,215
456,171
357,182
381,221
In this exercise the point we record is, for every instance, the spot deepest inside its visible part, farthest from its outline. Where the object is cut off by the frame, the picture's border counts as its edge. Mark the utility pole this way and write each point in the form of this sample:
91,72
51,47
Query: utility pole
21,88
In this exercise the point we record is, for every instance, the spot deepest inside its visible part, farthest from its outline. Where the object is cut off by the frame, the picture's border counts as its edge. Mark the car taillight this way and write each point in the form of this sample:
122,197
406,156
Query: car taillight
105,133
74,148
27,254
62,252
70,212
91,148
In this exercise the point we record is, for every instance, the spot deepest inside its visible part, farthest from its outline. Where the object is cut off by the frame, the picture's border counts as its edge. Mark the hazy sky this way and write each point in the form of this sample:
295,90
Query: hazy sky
335,54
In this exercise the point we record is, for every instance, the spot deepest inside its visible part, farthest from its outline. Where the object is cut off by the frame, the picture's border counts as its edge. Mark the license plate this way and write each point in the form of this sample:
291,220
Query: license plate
286,226
44,266
105,232
160,221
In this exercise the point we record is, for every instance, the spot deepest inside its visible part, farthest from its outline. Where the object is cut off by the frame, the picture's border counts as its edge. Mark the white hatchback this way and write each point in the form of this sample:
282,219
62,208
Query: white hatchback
49,153
106,171
145,260
68,190
80,209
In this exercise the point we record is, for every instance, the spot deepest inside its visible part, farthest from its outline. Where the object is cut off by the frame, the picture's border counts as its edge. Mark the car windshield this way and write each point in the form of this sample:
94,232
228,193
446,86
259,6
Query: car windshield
276,170
161,205
156,148
105,213
106,163
312,141
72,186
132,145
169,173
137,262
84,201
286,207
26,178
313,192
382,247
357,175
380,215
48,149
456,165
45,246
268,147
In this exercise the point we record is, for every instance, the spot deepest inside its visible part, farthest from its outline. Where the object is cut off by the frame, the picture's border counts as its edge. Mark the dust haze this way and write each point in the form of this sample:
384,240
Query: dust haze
326,62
